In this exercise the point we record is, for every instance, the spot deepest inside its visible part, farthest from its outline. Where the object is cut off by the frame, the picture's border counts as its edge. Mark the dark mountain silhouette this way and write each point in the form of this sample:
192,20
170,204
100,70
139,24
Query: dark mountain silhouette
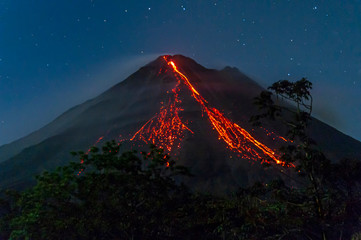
145,99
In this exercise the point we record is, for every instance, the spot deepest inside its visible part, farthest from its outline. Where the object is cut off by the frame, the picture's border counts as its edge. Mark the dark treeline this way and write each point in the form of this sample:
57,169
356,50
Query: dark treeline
126,195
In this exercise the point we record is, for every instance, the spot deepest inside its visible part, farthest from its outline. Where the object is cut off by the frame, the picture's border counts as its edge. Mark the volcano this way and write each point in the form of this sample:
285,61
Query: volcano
197,115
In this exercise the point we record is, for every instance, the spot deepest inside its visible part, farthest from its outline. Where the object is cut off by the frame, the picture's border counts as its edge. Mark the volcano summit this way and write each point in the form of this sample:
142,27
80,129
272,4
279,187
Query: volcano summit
198,115
166,127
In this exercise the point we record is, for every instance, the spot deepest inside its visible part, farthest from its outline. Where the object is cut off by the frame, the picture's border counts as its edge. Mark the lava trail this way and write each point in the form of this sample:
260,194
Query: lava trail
167,130
87,152
236,137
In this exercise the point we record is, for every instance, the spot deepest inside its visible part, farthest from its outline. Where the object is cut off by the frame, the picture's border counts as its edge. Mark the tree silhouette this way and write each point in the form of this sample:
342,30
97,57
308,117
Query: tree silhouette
291,103
118,196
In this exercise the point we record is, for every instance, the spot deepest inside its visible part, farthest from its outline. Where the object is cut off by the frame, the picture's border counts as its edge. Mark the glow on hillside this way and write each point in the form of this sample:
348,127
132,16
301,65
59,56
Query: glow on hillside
166,129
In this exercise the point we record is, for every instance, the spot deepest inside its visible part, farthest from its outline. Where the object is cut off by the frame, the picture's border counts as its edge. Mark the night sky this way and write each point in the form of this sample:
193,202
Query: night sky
56,54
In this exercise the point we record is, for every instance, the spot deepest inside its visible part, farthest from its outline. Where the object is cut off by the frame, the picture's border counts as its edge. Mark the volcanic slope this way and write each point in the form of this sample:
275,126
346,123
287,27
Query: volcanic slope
198,115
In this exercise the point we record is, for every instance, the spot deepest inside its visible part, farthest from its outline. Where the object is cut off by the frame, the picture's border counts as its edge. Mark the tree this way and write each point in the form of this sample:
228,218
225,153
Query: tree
291,103
117,196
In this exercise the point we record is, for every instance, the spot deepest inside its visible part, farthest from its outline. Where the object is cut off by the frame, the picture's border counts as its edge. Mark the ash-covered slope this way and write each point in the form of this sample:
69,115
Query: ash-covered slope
145,99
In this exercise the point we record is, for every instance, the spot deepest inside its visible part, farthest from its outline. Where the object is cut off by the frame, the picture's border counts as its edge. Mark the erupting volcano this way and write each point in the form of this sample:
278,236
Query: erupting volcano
199,116
166,128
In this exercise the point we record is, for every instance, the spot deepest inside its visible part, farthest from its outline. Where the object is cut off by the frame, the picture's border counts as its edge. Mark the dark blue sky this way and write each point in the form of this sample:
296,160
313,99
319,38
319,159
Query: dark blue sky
55,54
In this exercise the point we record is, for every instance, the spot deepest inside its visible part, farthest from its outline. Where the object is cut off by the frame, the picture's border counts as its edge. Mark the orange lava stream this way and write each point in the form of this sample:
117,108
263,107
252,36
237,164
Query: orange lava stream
87,152
165,129
275,136
231,133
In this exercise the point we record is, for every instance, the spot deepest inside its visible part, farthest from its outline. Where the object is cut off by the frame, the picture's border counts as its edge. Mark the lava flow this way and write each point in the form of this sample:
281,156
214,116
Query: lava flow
87,152
166,128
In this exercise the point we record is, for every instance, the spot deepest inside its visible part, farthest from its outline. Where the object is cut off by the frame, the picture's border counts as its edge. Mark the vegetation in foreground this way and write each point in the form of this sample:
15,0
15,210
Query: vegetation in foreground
134,196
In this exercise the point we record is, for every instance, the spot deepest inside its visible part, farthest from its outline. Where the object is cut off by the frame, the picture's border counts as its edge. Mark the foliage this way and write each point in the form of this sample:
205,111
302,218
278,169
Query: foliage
117,196
328,192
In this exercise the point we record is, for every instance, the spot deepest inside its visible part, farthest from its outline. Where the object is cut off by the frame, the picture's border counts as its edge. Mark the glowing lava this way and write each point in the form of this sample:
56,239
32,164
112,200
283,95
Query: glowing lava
87,152
167,130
